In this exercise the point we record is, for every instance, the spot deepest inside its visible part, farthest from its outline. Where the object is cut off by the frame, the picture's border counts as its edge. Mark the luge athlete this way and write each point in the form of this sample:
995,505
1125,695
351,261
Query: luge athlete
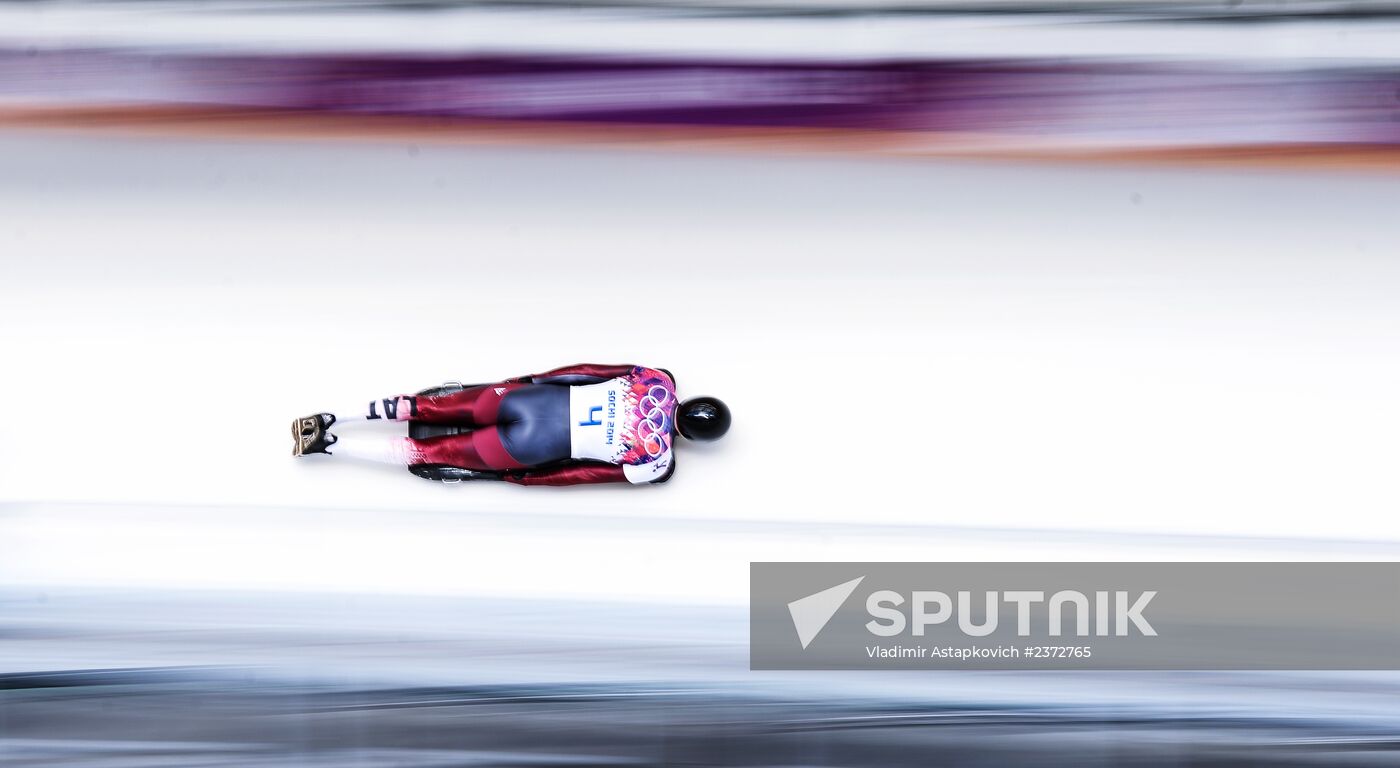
573,425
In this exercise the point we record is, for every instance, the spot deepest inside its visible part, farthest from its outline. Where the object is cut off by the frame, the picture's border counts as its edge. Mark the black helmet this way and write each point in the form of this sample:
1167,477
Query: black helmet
703,418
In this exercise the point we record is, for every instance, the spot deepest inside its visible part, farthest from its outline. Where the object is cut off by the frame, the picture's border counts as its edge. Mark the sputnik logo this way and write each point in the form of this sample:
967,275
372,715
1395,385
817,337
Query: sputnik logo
811,613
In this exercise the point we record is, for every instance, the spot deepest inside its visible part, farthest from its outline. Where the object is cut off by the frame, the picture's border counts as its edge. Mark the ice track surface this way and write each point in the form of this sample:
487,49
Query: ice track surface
902,342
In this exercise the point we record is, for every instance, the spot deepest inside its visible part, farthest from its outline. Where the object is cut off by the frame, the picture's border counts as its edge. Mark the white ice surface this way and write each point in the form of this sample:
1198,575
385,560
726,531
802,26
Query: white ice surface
901,341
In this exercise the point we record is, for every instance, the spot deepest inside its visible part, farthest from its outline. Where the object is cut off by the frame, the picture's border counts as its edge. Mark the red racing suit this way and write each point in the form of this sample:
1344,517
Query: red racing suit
573,425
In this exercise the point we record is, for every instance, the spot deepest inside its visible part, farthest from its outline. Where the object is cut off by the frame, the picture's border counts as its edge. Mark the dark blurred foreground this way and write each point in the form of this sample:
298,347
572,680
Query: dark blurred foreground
209,717
222,679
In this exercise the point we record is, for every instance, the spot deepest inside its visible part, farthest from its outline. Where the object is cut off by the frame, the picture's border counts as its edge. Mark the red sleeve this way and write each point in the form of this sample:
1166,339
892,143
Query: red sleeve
577,474
582,373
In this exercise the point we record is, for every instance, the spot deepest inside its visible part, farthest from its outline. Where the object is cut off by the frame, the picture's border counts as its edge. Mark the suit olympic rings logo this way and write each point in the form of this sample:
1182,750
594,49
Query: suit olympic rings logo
651,426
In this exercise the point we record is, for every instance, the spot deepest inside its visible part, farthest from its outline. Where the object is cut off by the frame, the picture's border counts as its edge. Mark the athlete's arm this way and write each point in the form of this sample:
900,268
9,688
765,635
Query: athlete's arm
574,474
582,373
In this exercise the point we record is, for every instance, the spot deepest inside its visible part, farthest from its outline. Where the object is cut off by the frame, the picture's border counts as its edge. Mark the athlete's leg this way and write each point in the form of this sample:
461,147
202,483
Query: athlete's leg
476,405
451,405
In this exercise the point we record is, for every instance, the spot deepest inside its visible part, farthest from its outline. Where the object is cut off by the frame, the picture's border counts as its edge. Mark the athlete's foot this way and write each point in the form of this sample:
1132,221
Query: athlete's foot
309,434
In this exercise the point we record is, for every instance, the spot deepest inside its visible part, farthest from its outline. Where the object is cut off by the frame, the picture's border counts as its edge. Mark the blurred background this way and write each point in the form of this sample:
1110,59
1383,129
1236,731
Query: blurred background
981,280
1276,81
